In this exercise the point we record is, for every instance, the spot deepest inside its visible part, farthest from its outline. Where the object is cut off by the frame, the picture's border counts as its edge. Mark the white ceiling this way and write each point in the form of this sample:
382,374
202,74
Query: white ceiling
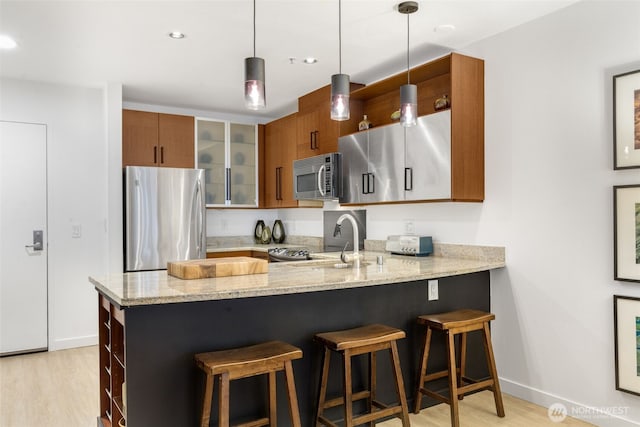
92,42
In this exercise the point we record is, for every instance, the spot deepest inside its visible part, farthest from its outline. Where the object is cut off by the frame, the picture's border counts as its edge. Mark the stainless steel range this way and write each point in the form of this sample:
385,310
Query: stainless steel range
288,254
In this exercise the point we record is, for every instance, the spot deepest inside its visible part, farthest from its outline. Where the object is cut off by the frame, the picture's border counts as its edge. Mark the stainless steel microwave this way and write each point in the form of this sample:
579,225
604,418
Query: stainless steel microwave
318,177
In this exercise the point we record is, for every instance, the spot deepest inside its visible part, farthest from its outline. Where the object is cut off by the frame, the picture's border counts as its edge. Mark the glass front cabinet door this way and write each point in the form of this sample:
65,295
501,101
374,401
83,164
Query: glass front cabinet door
228,154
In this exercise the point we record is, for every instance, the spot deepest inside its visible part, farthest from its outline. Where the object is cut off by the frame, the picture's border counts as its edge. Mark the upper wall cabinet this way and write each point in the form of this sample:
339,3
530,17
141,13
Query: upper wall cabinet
459,77
156,139
394,164
317,133
280,152
228,152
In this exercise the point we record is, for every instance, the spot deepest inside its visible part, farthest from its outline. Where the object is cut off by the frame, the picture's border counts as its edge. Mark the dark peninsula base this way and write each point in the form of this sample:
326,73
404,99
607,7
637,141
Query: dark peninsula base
164,387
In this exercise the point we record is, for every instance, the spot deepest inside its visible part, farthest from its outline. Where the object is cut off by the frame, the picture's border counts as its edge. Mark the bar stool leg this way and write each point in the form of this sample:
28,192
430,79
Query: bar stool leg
453,383
488,348
294,411
273,416
462,361
322,394
348,390
206,402
372,383
397,373
422,372
224,400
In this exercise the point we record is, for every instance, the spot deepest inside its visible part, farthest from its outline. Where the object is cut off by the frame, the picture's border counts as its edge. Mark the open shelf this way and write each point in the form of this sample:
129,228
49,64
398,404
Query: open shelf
428,71
112,362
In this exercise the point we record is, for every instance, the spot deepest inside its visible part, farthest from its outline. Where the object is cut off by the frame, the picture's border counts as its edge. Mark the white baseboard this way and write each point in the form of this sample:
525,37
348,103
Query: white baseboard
603,417
65,343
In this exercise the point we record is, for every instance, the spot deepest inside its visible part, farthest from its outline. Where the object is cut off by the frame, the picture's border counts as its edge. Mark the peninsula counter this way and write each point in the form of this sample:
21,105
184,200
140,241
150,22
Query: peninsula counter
152,324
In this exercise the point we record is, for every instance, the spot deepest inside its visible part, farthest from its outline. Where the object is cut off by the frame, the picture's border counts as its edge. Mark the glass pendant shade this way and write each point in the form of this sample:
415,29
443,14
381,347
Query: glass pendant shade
408,105
340,97
254,93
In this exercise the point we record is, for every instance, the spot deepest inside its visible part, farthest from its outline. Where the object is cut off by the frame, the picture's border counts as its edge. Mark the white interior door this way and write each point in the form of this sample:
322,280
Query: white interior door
23,261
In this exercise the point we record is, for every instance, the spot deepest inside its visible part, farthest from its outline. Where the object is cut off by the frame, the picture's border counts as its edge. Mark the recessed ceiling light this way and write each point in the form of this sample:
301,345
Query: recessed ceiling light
7,42
310,60
176,35
444,28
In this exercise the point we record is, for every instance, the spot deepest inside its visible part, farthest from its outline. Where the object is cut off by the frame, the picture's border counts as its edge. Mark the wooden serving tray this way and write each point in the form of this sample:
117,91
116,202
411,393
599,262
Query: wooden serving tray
217,267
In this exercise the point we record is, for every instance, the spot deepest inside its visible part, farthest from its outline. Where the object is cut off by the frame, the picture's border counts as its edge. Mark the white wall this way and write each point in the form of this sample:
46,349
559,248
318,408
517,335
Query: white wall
549,201
76,162
113,119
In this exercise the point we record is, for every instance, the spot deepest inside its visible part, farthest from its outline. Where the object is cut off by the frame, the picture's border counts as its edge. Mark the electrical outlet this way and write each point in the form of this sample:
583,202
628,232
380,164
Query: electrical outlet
408,226
76,231
433,290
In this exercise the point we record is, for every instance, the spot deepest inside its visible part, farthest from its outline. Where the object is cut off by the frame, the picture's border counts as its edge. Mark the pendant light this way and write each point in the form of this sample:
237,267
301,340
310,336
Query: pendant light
340,82
408,92
254,93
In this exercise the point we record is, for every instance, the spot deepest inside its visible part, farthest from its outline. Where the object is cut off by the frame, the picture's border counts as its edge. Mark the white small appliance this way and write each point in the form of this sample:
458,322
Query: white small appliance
409,245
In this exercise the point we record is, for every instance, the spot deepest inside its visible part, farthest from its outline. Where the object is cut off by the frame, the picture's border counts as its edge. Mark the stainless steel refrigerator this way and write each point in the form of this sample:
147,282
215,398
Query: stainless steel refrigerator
164,216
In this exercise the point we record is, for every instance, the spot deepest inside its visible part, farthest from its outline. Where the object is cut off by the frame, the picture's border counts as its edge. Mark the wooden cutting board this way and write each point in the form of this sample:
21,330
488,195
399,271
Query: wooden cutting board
217,267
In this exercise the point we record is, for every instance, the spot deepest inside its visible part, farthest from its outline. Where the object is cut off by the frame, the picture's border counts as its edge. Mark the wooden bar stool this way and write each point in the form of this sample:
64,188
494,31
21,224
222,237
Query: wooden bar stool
266,358
458,322
352,342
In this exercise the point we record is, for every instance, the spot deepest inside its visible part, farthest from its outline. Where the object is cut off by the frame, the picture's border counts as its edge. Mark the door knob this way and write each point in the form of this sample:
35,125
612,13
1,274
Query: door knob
37,241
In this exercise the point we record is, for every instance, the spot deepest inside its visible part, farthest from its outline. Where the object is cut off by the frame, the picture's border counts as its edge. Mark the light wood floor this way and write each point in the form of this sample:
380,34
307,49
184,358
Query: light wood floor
60,389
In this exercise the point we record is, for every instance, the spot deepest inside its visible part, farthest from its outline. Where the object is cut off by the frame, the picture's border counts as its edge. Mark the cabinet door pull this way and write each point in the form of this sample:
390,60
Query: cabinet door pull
408,179
278,196
372,183
365,183
155,155
161,155
313,140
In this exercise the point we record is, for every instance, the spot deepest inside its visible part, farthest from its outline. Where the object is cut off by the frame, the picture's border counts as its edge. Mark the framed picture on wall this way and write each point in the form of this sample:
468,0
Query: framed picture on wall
626,120
626,323
626,232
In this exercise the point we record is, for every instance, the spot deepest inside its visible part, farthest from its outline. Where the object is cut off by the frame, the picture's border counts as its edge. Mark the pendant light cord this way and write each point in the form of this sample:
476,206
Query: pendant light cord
254,28
408,77
339,36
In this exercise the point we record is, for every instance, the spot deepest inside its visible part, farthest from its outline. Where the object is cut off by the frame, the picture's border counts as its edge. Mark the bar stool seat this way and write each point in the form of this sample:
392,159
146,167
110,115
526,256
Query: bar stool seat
265,358
352,342
453,323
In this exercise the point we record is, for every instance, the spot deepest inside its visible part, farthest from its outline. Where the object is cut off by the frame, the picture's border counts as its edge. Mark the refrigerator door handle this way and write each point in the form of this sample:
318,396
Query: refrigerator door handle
199,218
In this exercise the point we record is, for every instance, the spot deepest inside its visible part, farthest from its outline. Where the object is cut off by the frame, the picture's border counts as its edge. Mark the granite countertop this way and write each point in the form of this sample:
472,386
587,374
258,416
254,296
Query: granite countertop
320,274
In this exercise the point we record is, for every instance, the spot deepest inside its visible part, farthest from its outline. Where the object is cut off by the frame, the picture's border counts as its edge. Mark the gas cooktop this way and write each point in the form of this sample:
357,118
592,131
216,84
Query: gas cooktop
288,254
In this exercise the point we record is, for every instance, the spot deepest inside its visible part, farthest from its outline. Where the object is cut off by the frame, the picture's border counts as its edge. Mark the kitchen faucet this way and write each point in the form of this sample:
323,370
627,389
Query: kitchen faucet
336,231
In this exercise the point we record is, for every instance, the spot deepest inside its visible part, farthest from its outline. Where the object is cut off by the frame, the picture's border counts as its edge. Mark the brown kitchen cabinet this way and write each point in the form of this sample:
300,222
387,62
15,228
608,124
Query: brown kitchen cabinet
280,152
112,362
157,139
316,132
